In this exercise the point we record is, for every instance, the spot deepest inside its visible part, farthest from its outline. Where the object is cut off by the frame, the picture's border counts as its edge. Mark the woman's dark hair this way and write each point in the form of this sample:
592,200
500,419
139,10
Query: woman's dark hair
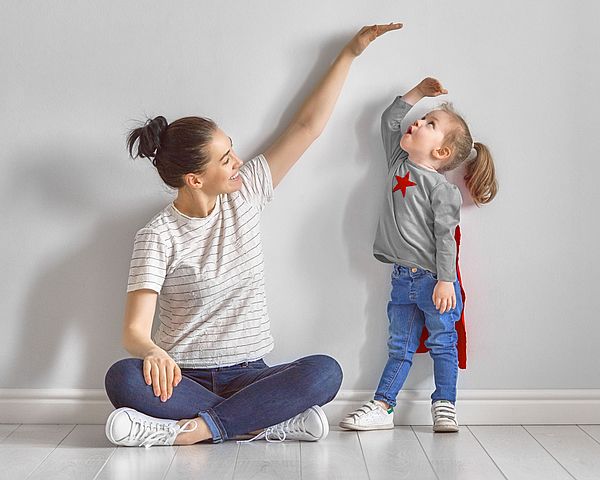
175,149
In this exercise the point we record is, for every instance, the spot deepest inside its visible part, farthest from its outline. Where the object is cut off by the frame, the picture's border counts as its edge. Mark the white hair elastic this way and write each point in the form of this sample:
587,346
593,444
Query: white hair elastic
472,153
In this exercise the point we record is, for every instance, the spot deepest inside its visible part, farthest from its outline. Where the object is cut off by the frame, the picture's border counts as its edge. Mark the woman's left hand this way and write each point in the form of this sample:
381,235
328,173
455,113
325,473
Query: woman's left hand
366,35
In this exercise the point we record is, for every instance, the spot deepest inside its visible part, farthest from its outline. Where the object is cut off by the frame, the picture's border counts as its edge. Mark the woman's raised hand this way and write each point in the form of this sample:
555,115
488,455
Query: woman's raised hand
431,87
366,35
161,371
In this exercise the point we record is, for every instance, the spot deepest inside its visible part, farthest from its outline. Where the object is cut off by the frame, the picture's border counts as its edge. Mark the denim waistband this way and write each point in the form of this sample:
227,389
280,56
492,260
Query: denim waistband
410,271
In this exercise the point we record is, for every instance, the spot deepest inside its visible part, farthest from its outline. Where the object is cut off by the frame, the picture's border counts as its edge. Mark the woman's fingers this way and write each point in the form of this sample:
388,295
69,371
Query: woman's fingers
163,382
381,29
177,376
170,375
156,379
147,372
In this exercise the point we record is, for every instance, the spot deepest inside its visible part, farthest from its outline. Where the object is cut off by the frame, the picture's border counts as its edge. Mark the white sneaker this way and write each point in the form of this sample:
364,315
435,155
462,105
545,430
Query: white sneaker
444,416
308,426
130,428
371,416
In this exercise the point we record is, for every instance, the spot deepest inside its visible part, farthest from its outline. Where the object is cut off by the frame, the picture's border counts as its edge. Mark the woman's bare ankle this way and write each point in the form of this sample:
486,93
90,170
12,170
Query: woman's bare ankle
200,433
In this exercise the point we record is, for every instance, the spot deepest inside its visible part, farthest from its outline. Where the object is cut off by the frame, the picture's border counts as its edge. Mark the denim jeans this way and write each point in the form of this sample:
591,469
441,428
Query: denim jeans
232,400
410,308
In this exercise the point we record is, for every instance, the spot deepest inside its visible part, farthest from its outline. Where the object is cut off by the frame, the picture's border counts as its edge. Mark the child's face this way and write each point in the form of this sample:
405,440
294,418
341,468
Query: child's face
425,137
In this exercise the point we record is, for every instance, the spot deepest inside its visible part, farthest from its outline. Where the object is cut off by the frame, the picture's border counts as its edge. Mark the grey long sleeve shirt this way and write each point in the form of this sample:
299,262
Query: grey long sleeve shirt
421,208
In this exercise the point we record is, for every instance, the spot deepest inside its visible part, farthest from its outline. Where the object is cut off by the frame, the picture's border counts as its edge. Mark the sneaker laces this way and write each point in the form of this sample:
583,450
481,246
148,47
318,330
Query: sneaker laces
278,433
154,433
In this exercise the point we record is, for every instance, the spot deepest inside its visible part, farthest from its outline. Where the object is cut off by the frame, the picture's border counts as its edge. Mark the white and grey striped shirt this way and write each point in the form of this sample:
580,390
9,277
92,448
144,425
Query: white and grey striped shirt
209,274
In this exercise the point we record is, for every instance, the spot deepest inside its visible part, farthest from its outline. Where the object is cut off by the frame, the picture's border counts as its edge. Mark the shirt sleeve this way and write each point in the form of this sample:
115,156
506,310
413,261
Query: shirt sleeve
257,182
445,202
148,262
391,130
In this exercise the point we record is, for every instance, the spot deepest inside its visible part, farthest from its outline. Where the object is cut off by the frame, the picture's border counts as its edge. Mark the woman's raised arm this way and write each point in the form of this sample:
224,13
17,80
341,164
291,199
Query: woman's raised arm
311,118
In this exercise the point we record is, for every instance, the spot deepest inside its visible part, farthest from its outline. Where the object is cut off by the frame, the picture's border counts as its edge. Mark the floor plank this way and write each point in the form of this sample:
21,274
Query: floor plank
339,456
6,429
518,454
266,461
572,447
395,454
204,460
592,430
138,463
457,455
81,455
27,446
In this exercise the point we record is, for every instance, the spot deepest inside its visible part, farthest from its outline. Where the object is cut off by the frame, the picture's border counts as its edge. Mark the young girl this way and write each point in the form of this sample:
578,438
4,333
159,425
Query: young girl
202,376
416,233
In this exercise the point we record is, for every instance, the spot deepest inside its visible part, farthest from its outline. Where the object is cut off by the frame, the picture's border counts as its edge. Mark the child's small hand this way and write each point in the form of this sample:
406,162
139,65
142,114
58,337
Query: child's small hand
444,297
431,87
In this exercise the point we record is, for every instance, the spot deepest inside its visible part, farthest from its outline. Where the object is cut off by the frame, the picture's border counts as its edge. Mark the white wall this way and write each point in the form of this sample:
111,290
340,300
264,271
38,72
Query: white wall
524,74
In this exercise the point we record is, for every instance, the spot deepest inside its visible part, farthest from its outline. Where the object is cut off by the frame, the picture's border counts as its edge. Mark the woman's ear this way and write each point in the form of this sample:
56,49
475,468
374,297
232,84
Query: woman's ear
193,180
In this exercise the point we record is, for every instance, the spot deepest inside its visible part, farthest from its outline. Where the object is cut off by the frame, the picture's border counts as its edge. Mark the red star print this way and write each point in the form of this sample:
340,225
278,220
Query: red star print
403,183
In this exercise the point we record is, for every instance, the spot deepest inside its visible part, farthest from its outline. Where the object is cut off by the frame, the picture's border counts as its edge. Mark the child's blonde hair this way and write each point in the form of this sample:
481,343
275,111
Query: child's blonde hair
480,176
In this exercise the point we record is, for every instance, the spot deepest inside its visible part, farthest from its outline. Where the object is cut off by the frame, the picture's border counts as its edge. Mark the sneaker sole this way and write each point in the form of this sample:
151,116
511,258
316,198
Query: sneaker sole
351,426
109,423
445,428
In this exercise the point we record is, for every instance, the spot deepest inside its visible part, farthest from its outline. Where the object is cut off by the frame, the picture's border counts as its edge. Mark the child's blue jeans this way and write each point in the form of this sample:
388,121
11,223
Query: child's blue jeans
411,308
232,400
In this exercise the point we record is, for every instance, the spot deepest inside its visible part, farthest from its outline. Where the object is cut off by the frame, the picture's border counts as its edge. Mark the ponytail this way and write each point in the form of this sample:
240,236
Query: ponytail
175,149
480,176
148,138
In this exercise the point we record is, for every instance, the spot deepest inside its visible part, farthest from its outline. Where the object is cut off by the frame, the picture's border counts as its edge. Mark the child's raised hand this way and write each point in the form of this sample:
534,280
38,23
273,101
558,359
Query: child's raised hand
366,35
444,297
431,87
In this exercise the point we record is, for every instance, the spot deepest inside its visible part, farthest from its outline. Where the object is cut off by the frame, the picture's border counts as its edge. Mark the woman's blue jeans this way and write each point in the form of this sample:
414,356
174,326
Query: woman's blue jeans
232,400
410,309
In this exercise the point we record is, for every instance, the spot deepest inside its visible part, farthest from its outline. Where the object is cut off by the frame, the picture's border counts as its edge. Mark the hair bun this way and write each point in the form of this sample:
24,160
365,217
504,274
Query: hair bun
148,137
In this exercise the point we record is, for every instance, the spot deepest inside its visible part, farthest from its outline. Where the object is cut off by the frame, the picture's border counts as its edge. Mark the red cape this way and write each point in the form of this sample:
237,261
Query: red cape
461,346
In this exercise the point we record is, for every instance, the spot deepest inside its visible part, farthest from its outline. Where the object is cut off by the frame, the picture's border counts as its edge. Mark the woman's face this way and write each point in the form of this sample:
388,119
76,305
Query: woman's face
222,171
426,135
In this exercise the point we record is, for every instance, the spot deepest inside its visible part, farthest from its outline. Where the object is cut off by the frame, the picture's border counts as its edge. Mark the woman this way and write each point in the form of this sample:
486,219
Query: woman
202,377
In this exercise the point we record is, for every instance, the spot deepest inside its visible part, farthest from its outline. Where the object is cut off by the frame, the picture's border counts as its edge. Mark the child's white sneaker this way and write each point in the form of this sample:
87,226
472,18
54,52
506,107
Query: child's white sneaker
309,426
371,416
130,428
444,416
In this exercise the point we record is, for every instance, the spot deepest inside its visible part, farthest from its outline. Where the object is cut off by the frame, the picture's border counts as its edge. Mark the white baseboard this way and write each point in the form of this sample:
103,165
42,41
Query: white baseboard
475,407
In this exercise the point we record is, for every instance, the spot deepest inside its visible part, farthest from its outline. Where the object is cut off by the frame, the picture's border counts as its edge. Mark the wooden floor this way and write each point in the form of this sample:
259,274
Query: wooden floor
476,452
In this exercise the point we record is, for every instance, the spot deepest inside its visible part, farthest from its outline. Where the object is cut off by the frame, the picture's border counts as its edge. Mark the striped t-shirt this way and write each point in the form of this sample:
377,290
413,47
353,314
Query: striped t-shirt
209,274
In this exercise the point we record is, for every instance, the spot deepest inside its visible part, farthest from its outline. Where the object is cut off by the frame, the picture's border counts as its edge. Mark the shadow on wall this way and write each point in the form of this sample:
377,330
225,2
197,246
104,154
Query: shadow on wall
71,319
